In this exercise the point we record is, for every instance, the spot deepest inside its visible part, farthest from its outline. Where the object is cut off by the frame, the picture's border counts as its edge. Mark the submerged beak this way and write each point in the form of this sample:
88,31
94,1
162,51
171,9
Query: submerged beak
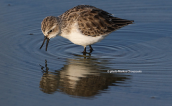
45,38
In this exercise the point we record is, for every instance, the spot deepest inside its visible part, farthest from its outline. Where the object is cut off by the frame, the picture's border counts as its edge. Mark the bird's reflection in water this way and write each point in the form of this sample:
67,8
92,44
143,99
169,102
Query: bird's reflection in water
83,77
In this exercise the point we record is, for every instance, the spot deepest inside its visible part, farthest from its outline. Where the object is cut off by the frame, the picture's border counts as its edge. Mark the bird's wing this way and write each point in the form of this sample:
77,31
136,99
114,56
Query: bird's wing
95,22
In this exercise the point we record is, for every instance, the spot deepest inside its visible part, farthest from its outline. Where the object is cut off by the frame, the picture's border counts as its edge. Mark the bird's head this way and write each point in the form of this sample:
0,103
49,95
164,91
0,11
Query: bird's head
50,28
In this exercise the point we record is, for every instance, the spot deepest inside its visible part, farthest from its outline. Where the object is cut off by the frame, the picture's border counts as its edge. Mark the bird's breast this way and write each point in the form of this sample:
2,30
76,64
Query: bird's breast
76,37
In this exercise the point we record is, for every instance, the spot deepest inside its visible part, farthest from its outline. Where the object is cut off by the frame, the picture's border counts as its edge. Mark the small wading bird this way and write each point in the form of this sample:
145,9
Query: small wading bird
83,25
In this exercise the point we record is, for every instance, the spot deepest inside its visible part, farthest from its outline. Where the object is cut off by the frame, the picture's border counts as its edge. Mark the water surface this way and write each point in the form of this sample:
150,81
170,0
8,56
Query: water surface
63,75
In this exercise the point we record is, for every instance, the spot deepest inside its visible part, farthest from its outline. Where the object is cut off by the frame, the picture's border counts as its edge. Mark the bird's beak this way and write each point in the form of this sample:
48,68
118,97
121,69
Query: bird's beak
45,38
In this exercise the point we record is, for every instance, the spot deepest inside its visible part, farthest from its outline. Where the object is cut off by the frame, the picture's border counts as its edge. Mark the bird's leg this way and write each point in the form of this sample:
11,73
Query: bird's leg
84,49
91,49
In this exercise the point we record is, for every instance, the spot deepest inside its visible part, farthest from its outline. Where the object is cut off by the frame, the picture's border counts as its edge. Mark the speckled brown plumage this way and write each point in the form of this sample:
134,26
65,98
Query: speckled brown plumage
92,21
47,22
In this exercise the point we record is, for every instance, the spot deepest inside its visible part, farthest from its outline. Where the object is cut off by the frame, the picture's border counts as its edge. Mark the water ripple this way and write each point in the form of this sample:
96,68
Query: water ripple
124,50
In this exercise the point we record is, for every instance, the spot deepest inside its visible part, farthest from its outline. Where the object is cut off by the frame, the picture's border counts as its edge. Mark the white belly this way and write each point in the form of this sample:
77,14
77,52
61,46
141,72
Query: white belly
76,37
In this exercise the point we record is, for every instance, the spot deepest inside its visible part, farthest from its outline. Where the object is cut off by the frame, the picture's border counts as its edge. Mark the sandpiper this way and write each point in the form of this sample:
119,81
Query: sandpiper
83,25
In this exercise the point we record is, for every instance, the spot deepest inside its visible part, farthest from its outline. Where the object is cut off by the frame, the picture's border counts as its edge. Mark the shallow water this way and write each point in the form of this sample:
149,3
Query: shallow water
62,75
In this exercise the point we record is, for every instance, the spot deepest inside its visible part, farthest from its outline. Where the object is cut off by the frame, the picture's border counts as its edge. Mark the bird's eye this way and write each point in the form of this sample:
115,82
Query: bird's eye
50,31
